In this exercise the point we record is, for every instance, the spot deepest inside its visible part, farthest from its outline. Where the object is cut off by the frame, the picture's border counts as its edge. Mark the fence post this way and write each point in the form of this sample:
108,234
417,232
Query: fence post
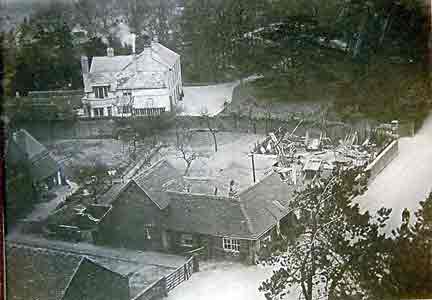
164,287
195,263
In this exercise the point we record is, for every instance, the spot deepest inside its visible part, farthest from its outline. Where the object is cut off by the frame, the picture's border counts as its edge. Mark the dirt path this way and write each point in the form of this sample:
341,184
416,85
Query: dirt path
406,181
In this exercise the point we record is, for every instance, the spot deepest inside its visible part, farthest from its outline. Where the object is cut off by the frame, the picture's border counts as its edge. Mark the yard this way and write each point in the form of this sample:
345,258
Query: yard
231,162
225,280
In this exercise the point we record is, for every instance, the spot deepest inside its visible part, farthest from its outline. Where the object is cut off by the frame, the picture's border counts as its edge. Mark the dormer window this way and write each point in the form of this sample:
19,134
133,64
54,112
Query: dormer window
101,91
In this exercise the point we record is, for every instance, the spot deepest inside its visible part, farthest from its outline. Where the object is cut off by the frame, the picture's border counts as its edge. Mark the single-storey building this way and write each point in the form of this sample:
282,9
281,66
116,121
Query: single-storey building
153,212
36,273
136,85
45,171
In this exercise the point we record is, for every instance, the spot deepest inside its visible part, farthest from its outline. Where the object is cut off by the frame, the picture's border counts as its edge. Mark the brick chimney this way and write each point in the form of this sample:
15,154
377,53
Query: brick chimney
84,64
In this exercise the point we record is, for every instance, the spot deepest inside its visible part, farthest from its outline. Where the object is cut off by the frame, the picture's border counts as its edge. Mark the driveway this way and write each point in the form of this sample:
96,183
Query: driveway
406,181
207,98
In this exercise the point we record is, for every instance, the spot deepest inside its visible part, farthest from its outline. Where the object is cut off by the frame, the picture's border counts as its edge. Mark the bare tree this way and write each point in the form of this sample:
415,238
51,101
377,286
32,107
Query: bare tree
208,121
184,137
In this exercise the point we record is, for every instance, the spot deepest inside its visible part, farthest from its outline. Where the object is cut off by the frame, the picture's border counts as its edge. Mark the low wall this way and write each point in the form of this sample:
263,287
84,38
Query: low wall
382,160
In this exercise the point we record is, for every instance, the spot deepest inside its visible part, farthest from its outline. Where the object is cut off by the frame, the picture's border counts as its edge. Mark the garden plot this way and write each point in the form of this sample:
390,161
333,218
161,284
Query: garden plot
231,162
111,153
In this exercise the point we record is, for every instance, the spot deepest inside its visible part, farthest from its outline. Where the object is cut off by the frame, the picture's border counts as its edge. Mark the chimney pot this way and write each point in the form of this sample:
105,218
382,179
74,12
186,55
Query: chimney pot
84,64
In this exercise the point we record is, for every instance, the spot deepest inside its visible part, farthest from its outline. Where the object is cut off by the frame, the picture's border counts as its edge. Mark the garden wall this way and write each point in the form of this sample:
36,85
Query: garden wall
383,159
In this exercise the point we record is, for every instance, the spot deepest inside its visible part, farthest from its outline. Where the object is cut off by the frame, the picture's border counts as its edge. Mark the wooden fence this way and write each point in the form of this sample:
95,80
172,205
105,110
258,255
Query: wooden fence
181,274
160,288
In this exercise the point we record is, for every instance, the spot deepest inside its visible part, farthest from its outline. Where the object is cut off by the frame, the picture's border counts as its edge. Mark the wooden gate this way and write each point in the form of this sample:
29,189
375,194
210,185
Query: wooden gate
181,274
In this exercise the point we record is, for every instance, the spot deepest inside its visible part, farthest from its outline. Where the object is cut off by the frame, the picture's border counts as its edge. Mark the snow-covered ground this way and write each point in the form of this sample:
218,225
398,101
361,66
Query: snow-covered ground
406,181
209,98
230,162
42,210
224,281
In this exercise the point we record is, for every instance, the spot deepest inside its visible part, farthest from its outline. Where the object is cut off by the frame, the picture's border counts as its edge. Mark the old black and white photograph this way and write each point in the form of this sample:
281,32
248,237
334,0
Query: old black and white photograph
216,149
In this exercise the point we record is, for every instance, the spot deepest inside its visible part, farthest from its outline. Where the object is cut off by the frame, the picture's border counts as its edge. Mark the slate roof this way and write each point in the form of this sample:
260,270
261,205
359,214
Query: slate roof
38,273
144,70
45,274
256,209
206,214
159,178
266,202
41,163
28,144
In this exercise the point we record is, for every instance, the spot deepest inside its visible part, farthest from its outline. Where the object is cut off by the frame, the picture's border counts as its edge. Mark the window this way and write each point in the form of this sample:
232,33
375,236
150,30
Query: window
186,240
232,245
127,93
126,109
109,110
101,91
98,112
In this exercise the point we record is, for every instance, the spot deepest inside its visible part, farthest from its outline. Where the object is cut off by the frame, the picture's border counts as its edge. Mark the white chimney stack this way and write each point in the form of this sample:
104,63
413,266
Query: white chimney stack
133,36
110,52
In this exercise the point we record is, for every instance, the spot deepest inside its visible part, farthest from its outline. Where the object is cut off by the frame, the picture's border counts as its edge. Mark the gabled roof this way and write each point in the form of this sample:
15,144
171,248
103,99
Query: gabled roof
158,178
104,64
45,274
206,214
265,202
255,211
40,161
28,144
38,273
132,71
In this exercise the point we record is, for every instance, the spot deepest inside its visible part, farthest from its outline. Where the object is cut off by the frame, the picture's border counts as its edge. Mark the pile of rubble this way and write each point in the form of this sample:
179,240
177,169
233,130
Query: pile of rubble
302,158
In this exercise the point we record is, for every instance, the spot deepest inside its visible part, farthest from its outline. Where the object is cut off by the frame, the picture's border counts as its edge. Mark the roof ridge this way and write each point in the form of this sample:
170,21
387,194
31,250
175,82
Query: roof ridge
266,177
248,220
42,250
75,271
201,194
150,169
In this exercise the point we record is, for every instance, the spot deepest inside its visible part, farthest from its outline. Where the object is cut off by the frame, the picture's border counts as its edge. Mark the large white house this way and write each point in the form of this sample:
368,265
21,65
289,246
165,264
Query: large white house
145,84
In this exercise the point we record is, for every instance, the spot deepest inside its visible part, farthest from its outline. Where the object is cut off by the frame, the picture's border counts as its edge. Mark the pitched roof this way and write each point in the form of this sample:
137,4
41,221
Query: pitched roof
28,144
38,273
159,178
206,214
132,72
103,64
266,202
256,210
41,163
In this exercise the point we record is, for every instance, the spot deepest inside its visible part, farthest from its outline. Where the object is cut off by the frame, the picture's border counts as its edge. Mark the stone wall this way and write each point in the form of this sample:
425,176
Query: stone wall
383,159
